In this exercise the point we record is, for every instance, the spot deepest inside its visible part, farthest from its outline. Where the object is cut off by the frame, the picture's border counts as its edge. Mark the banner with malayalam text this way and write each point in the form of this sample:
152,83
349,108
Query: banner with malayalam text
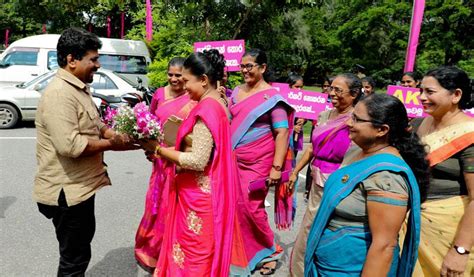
233,50
307,104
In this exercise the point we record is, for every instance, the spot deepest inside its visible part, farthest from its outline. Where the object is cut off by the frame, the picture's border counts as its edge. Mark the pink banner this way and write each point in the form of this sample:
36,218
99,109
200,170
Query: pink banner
233,50
410,97
307,104
109,31
122,24
416,20
149,21
7,32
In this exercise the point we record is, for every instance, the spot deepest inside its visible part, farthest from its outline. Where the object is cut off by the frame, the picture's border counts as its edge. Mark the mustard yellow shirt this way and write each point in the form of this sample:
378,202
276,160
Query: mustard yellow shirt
66,118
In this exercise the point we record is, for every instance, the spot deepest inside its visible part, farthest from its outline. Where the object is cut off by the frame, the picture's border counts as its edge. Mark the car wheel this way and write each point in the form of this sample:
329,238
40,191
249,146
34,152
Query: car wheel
8,116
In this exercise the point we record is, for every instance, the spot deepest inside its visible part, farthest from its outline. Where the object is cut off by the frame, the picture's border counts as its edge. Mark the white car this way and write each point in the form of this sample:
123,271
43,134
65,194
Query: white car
19,103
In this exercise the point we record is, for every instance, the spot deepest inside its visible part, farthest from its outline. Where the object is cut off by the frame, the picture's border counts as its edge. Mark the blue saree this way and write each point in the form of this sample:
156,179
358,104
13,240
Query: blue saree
342,252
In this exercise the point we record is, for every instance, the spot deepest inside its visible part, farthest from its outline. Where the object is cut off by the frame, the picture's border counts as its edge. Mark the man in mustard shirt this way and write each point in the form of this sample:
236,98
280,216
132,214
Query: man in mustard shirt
70,143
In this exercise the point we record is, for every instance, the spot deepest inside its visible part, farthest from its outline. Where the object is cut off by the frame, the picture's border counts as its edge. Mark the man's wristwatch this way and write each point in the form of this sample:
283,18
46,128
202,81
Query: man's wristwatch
276,167
461,250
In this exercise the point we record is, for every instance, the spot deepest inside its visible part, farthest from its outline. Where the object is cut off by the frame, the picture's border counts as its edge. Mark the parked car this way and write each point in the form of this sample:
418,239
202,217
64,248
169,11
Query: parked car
29,57
19,103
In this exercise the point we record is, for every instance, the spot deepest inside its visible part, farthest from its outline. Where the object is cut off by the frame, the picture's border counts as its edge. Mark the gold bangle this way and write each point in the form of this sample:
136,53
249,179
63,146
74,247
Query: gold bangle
157,150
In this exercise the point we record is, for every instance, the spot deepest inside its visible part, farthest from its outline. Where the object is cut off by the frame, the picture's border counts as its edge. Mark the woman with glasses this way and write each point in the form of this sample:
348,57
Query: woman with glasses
168,101
447,229
366,201
329,143
261,124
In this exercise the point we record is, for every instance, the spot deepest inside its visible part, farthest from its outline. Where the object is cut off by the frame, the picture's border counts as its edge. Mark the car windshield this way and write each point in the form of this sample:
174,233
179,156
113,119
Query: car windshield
35,80
117,63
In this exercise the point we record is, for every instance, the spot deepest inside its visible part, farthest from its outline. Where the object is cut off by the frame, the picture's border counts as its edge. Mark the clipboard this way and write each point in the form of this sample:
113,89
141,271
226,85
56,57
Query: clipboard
170,130
261,183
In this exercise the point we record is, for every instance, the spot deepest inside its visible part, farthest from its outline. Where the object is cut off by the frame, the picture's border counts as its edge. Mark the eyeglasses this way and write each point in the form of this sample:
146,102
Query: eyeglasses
356,119
248,66
338,91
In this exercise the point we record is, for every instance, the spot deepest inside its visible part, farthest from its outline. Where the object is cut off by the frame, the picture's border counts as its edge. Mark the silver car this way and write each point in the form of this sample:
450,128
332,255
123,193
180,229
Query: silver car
19,103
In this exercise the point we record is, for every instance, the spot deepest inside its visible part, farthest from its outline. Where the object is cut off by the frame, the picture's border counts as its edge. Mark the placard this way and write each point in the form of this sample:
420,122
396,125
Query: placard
307,104
410,97
233,50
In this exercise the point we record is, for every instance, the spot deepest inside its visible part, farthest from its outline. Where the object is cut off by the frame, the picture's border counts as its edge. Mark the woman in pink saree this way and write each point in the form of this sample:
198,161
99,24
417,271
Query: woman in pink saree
171,100
200,214
261,125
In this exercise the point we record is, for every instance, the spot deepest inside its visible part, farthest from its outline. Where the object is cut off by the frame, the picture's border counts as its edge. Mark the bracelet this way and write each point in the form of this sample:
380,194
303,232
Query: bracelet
157,150
276,167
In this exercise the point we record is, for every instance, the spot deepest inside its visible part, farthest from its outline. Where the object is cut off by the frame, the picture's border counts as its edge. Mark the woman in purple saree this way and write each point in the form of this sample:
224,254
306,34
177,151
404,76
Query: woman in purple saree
171,100
261,124
329,143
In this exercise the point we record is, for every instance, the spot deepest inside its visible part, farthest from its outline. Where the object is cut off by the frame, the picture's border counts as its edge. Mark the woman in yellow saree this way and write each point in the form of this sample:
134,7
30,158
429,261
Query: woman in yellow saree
447,226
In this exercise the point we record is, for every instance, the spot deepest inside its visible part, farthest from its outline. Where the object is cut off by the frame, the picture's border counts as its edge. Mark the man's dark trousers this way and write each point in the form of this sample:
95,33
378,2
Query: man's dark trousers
75,228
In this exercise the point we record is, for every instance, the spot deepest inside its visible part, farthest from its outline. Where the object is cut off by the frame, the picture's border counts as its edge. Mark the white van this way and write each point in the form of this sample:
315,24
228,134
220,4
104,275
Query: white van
27,58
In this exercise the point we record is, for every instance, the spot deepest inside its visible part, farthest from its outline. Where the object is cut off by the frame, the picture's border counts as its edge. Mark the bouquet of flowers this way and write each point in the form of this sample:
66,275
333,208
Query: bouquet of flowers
137,122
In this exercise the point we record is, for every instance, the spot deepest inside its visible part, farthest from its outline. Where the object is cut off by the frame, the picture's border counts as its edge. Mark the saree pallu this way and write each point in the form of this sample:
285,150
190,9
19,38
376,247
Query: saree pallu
330,143
254,161
150,231
440,218
342,252
200,215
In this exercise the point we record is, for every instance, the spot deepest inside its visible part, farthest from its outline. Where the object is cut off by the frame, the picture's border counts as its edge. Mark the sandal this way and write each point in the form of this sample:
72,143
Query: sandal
268,270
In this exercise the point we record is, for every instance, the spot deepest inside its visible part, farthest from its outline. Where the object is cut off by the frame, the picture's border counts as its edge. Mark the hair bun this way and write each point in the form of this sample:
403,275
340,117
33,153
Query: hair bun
217,62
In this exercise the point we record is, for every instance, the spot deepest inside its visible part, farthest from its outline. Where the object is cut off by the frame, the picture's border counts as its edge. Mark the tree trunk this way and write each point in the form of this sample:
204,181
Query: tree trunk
246,16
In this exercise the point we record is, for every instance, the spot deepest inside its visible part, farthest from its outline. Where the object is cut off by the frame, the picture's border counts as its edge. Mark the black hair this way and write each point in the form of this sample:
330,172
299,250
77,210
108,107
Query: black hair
293,78
354,84
261,58
369,80
413,74
77,42
452,78
176,61
259,55
209,62
389,110
328,79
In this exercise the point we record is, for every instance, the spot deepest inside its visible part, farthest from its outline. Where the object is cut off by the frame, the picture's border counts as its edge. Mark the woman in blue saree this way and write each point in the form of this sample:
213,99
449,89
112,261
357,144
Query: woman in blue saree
365,202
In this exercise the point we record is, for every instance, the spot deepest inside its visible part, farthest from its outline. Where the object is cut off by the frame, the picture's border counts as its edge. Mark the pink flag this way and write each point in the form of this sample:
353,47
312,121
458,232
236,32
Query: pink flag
416,20
122,24
7,32
149,21
108,27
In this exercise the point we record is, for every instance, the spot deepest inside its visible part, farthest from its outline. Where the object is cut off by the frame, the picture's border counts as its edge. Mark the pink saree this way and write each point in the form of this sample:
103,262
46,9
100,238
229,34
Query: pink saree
200,216
150,231
254,161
